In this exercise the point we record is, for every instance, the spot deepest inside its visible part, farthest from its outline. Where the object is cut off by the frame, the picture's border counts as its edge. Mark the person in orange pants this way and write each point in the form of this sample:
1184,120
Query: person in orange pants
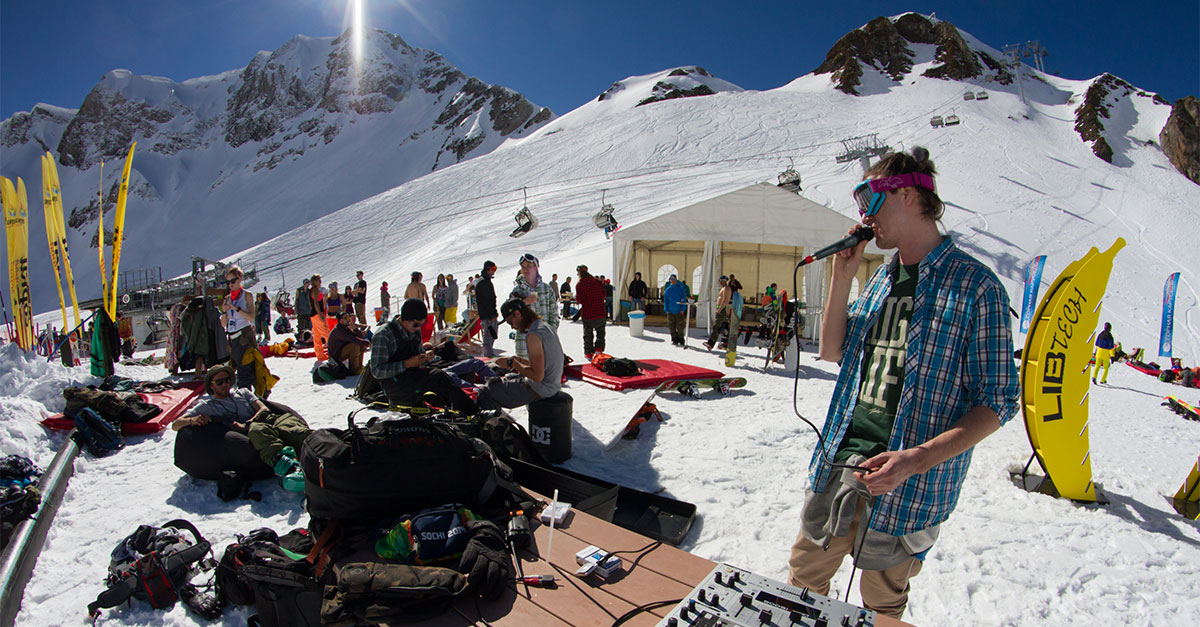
320,328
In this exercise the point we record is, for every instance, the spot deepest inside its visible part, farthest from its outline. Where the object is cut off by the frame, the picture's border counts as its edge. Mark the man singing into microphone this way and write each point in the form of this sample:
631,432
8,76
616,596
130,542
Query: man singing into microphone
926,373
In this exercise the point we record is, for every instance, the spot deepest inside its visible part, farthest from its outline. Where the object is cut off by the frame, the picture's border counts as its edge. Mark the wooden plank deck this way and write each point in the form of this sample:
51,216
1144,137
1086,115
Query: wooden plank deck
661,574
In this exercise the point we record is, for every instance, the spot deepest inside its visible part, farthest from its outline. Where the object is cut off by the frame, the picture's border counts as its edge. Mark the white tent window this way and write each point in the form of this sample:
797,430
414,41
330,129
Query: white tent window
697,279
664,273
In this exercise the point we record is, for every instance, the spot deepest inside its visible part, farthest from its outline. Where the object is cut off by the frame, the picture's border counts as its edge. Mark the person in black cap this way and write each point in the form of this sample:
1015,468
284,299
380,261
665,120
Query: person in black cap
537,376
398,362
485,300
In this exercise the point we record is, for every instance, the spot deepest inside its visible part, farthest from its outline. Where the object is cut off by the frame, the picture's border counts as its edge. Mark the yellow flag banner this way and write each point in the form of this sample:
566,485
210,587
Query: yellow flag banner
49,198
61,229
1054,380
16,230
119,232
100,248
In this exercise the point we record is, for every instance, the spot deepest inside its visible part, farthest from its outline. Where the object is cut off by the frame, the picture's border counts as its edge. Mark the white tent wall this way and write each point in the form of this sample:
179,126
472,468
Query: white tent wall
758,233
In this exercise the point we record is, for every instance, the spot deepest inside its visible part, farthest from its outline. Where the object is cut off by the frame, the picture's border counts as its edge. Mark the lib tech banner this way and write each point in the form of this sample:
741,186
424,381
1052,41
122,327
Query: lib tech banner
1033,283
1168,316
1054,380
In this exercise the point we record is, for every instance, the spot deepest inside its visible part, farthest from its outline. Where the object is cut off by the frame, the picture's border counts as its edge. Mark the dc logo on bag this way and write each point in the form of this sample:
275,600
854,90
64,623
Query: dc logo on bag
540,435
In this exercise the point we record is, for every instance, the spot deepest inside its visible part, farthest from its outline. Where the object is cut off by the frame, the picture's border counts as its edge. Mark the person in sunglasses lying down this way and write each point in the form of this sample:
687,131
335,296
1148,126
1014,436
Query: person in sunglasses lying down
276,437
926,374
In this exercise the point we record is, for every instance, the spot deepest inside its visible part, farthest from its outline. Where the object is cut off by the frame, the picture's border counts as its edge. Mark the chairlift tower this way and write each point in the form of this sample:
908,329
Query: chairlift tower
1013,53
862,148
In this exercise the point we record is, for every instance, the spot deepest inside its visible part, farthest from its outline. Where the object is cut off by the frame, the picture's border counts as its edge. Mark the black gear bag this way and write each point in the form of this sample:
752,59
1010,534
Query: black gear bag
392,467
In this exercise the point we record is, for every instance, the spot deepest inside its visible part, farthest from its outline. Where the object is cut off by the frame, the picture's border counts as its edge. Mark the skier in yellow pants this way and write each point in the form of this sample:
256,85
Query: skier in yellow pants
1103,354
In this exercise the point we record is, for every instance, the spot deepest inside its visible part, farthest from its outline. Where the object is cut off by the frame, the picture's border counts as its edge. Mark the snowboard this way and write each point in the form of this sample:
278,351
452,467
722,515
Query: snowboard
1180,407
644,413
630,430
735,328
695,387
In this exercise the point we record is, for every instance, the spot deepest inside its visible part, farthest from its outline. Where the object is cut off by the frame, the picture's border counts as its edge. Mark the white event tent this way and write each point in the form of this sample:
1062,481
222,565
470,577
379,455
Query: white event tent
757,233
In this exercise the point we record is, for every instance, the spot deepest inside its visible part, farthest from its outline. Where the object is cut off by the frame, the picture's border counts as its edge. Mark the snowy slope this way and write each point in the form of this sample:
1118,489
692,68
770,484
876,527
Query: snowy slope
1018,182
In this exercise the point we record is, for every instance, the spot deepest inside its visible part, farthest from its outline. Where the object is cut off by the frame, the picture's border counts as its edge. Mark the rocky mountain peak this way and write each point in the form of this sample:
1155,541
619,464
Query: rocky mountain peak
884,45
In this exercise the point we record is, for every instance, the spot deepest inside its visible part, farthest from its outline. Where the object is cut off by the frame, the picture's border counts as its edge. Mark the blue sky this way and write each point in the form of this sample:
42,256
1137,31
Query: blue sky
561,54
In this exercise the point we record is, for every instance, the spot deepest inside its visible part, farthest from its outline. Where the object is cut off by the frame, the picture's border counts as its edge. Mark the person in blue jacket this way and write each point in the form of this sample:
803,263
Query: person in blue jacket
675,296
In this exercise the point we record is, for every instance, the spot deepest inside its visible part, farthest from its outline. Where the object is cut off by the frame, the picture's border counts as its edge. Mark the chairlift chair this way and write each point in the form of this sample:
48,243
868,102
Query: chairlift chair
526,221
789,179
936,121
952,120
969,95
604,218
982,95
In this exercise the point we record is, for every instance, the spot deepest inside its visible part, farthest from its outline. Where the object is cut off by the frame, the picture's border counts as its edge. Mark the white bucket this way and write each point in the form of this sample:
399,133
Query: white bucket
637,323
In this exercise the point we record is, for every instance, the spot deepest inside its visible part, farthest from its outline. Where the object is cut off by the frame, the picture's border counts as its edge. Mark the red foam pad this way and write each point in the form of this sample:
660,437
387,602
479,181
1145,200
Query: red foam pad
173,403
654,372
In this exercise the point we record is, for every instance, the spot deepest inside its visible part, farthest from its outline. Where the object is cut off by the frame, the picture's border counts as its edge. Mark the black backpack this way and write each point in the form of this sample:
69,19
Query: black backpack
95,434
392,467
17,504
282,576
621,367
154,564
18,470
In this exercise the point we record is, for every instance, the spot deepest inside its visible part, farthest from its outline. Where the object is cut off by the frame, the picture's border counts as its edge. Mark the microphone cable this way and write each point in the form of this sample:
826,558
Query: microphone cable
796,377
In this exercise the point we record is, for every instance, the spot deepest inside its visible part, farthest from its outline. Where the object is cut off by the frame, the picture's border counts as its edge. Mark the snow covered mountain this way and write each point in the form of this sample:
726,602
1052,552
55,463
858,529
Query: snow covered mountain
250,153
289,140
1018,177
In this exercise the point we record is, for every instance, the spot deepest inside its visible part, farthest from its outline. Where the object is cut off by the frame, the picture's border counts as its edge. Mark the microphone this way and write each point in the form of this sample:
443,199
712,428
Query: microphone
860,234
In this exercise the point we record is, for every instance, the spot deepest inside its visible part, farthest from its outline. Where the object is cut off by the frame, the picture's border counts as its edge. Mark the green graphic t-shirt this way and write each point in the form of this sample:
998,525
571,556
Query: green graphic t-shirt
885,348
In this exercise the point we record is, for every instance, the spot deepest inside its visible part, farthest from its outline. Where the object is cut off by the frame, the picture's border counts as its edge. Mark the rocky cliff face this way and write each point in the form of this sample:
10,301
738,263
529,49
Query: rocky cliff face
884,45
1180,138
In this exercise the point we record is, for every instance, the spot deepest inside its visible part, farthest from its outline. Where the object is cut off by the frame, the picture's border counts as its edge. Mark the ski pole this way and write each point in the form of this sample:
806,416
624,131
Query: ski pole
68,336
7,322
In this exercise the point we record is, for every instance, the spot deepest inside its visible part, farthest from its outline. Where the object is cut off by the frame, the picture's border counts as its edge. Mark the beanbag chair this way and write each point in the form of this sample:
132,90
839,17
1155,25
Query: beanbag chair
205,452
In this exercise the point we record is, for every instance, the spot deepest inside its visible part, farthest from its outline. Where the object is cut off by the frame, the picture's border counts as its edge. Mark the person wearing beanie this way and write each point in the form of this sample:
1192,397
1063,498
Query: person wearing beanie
485,300
537,376
1103,355
275,436
346,343
399,361
530,288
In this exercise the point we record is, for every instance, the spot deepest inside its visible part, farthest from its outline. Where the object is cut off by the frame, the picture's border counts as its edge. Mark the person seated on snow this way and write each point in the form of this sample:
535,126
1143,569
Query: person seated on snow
538,376
399,361
347,343
276,437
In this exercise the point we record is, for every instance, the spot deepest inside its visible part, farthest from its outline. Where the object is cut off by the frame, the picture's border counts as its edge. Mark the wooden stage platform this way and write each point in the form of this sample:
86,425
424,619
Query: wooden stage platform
662,574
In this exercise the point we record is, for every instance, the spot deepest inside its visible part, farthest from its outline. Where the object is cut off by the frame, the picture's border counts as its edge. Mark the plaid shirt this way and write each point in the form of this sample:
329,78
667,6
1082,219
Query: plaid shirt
546,307
959,357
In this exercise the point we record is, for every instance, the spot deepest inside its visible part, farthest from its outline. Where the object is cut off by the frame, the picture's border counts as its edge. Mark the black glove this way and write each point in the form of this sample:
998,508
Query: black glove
485,560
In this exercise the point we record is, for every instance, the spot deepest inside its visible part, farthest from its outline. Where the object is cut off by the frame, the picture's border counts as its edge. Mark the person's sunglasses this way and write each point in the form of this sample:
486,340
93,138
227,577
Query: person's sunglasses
869,194
221,380
233,279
